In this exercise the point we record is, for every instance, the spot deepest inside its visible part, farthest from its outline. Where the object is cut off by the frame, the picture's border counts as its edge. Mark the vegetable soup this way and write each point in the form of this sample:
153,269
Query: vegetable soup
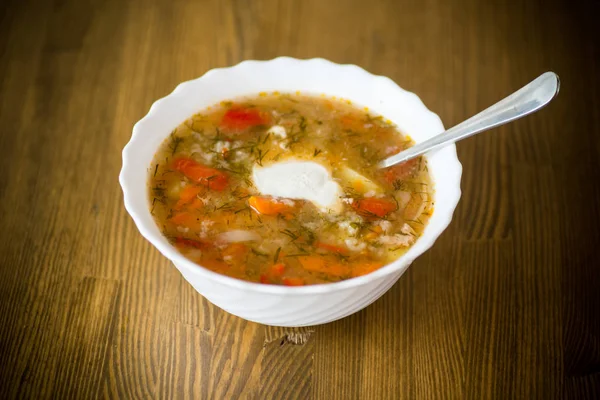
284,189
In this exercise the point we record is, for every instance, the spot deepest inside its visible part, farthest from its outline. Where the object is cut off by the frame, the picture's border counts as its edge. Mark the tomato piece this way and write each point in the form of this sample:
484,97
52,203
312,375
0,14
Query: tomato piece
268,205
183,242
240,119
401,171
372,206
210,177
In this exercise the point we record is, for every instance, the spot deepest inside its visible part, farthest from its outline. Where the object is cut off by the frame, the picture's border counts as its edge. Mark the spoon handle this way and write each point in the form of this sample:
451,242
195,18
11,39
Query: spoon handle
524,101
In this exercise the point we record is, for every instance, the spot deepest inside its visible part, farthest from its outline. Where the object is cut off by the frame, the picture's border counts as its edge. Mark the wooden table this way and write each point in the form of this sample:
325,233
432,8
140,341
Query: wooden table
505,305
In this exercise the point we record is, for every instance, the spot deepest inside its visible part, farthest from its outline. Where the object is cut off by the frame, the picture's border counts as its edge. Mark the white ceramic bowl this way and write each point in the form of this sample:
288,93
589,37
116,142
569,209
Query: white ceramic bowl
281,305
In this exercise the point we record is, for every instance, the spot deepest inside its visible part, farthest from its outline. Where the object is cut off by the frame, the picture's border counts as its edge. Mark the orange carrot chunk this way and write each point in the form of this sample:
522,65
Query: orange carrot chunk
215,265
313,263
277,269
322,265
197,204
268,205
185,219
293,281
236,252
331,247
240,119
364,269
372,206
210,177
188,194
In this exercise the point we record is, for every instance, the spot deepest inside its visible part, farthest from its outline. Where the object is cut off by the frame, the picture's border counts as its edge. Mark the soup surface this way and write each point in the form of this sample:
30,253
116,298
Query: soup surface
284,189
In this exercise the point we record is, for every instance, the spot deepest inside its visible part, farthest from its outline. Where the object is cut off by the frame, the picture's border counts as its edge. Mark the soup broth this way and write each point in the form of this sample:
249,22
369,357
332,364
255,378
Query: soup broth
204,196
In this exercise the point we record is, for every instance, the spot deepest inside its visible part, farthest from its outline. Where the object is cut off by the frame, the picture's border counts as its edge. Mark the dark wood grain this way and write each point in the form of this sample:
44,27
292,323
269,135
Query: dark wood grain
505,305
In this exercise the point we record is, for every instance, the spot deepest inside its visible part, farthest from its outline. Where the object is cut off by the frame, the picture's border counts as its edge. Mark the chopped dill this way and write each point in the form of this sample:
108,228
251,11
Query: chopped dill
155,170
261,156
238,195
288,98
159,191
317,152
302,123
258,253
218,136
399,185
291,234
224,206
276,255
175,142
378,118
342,257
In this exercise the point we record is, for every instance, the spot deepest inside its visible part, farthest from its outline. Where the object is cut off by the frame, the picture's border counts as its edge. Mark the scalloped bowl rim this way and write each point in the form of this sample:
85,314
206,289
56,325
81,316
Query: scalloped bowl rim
159,241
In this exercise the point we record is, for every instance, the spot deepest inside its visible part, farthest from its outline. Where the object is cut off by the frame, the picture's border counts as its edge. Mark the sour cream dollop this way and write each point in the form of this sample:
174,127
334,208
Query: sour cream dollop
303,180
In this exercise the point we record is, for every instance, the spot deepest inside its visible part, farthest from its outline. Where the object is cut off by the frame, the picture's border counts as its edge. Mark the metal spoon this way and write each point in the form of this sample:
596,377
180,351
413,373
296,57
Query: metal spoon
524,101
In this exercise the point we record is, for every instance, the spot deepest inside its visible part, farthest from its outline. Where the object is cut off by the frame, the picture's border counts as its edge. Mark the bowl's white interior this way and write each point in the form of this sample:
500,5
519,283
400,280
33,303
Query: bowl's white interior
315,76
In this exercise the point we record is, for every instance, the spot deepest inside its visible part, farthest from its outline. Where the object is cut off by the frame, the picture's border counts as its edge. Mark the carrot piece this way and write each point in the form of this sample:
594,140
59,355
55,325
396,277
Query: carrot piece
372,206
331,247
364,269
293,281
215,265
264,279
187,194
277,269
185,218
268,205
312,263
206,176
240,119
323,265
350,122
237,252
337,270
196,204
